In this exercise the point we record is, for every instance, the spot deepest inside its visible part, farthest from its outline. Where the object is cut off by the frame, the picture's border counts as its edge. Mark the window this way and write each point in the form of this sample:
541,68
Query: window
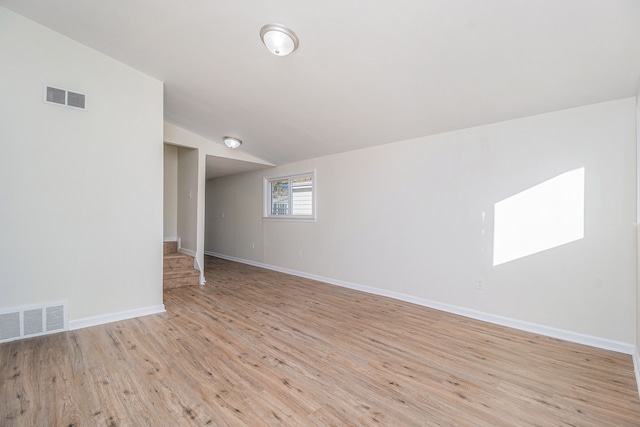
290,196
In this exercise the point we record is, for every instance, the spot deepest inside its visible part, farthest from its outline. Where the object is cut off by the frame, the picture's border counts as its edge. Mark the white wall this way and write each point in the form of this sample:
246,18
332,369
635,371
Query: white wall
637,352
80,191
188,198
205,147
233,214
170,192
406,218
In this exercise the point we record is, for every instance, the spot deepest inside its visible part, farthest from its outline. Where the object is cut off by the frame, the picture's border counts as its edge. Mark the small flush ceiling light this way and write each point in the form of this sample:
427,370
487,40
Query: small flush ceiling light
231,142
279,39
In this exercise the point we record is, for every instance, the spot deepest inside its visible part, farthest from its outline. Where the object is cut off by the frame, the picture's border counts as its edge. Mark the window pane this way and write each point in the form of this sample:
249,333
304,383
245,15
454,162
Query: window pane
302,196
280,197
290,197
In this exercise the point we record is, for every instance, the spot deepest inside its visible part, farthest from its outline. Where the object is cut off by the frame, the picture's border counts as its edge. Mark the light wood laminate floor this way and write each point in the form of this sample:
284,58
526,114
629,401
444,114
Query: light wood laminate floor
255,347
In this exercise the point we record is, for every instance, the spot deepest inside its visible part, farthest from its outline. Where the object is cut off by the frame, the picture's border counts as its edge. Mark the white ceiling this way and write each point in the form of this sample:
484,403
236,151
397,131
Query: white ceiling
222,166
367,72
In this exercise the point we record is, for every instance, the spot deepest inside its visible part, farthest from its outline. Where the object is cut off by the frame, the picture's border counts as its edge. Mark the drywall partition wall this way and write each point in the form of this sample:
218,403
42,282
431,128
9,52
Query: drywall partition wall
170,193
415,218
80,191
183,138
637,342
636,355
220,209
187,218
234,216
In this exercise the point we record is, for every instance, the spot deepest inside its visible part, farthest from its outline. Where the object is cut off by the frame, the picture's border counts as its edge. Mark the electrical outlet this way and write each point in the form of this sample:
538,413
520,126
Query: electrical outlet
480,284
253,245
300,253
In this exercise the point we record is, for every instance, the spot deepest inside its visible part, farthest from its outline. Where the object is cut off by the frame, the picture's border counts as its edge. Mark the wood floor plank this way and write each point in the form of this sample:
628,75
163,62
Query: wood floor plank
254,347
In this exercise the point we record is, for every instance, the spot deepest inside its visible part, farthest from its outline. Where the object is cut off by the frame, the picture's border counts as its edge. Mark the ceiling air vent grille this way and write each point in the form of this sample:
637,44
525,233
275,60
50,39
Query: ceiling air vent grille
54,95
32,321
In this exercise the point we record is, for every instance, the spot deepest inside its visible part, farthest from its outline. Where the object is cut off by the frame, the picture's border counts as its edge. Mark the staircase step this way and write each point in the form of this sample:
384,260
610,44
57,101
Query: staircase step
177,261
170,247
176,274
178,268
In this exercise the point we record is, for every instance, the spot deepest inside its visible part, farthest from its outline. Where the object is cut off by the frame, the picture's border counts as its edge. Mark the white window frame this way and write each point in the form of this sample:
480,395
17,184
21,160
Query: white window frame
267,215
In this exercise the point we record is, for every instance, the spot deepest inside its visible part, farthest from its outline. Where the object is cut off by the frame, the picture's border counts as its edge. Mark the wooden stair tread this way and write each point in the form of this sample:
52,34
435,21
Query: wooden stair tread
177,255
178,268
170,247
181,273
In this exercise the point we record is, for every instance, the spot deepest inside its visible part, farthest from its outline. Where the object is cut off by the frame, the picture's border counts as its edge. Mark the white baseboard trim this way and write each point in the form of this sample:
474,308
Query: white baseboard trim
200,269
196,264
114,317
170,239
187,252
575,337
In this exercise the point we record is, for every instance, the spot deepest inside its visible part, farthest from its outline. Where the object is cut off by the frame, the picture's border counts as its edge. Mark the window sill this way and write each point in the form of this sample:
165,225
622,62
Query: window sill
290,218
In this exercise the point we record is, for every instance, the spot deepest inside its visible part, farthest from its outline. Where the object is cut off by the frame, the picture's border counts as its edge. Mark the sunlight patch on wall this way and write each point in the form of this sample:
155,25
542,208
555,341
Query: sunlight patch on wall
542,217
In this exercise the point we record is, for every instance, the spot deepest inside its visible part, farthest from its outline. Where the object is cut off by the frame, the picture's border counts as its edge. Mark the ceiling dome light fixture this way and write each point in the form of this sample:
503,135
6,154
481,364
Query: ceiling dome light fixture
231,142
279,39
